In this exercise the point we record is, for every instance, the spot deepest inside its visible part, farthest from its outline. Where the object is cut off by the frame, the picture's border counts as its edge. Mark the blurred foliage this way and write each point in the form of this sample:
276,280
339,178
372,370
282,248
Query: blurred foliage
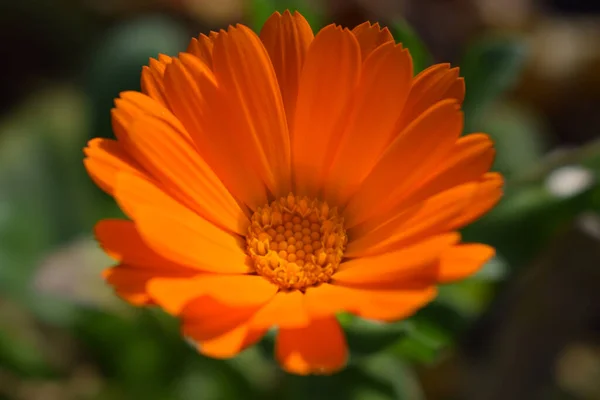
59,318
116,63
405,34
491,65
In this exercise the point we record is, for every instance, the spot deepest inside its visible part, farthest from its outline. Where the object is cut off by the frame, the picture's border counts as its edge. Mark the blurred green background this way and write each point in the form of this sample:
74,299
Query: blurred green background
526,327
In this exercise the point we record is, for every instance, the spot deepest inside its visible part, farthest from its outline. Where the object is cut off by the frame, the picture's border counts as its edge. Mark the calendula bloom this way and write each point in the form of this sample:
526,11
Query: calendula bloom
279,179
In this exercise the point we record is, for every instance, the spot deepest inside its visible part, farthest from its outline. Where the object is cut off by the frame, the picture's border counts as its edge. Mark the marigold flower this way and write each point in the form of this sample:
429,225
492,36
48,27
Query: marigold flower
276,180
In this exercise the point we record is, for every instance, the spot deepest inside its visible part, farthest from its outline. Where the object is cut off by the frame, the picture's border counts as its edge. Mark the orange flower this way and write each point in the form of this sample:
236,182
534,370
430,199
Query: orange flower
275,180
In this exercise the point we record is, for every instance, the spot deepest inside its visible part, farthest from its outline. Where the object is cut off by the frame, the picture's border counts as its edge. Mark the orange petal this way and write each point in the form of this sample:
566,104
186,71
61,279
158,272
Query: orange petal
131,201
459,262
105,158
139,264
488,194
231,343
205,318
131,105
456,90
203,47
414,223
319,348
285,310
153,79
383,305
130,283
328,79
467,161
121,240
378,101
411,157
192,92
231,290
370,37
403,264
257,114
173,161
177,233
470,158
286,38
432,85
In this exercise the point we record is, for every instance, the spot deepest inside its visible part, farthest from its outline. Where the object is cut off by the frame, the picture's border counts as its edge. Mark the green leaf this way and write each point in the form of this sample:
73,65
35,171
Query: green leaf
490,67
342,385
518,137
405,34
495,269
368,337
423,344
260,371
468,298
431,330
389,369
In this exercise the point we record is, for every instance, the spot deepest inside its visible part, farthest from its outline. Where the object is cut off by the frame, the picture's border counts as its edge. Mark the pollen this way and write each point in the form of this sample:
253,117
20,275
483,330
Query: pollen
296,242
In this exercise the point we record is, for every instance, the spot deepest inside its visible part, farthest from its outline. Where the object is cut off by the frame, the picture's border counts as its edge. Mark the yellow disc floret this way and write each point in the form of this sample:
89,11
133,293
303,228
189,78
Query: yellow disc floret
296,242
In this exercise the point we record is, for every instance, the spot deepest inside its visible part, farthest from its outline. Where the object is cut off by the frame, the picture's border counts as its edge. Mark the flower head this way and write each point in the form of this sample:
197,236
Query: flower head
276,180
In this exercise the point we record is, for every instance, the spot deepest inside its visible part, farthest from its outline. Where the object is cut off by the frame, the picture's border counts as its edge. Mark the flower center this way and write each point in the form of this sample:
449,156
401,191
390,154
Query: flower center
296,242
